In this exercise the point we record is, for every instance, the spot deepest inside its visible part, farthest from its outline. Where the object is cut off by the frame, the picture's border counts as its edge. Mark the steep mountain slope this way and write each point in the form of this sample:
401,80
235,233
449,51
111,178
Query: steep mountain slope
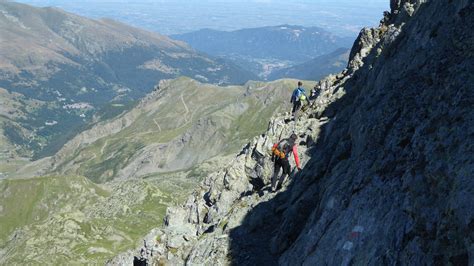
388,162
166,131
317,68
14,107
267,48
79,65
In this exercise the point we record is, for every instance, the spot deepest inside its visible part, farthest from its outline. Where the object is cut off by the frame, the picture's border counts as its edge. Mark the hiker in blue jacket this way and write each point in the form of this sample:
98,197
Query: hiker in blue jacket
297,97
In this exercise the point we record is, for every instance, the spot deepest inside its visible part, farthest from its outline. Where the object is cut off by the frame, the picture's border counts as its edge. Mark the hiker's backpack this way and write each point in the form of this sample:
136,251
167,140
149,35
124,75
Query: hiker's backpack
283,149
296,94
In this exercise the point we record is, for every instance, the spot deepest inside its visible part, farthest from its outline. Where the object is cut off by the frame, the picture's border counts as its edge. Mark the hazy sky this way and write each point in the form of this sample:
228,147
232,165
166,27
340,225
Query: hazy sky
344,17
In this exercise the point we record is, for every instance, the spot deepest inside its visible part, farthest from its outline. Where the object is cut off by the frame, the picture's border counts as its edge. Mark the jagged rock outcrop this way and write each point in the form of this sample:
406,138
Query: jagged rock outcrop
388,165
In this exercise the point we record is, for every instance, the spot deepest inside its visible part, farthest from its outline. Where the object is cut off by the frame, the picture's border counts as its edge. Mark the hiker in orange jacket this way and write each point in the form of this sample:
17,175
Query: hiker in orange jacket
280,154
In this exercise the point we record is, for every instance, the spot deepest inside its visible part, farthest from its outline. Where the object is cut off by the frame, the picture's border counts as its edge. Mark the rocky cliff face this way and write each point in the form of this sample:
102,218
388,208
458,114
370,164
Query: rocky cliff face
387,154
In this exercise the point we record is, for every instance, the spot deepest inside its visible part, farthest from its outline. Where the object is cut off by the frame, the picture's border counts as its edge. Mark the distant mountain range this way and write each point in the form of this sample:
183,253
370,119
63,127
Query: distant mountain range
284,42
77,66
263,50
317,68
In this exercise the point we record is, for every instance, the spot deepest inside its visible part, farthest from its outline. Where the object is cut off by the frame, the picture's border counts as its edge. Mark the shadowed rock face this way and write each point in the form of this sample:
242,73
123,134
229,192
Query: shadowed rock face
393,179
388,162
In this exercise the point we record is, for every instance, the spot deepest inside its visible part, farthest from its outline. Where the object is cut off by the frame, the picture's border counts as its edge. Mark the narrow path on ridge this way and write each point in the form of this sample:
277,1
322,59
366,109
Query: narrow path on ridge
156,123
103,147
187,121
185,107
